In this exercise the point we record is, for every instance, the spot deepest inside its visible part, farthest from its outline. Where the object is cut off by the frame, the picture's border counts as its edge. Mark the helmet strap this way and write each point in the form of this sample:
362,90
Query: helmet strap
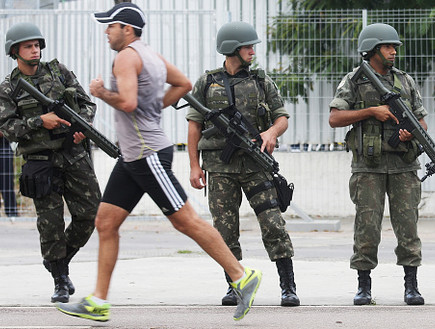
387,64
242,61
32,62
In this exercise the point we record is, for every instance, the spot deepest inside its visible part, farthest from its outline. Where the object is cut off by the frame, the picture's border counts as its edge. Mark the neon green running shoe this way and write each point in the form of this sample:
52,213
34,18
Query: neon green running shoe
245,292
86,309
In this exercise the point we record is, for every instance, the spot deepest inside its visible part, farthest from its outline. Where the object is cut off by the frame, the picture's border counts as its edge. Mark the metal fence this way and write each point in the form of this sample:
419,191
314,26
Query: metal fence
184,32
309,126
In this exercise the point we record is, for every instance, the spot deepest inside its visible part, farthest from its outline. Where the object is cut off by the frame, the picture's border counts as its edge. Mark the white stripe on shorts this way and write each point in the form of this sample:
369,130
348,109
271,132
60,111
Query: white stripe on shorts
164,181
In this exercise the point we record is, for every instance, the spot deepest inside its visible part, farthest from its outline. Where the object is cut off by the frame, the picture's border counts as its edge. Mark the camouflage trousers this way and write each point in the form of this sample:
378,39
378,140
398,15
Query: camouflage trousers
225,197
79,187
367,191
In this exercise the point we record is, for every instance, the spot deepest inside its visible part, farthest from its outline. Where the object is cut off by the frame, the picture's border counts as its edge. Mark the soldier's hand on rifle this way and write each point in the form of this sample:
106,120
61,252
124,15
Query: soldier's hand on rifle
78,137
269,137
269,141
52,121
383,113
197,178
405,135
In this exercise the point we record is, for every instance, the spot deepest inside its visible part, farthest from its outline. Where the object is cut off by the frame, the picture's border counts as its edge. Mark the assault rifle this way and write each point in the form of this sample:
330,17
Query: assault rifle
65,112
236,134
407,119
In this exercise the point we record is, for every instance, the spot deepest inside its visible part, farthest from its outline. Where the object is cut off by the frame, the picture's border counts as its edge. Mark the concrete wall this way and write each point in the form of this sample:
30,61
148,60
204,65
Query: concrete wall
320,179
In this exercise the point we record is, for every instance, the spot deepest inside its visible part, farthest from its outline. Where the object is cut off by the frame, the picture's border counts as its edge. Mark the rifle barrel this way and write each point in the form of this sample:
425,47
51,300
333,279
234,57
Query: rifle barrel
99,139
222,123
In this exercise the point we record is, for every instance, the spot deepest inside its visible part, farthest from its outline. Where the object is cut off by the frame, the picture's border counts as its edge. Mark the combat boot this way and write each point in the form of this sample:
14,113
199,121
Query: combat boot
70,253
58,272
412,295
230,298
287,282
364,294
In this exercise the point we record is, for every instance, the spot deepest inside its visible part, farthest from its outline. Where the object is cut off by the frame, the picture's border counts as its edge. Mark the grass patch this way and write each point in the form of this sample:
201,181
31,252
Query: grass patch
184,252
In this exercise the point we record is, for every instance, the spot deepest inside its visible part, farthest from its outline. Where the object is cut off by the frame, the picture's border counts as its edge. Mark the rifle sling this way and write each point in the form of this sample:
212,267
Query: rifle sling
231,110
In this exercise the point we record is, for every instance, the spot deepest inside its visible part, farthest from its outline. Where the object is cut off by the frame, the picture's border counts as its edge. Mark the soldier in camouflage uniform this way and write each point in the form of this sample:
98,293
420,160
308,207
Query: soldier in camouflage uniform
257,98
377,168
57,161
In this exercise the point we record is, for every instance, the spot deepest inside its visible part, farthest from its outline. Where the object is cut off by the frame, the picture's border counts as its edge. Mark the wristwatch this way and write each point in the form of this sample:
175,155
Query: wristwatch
38,122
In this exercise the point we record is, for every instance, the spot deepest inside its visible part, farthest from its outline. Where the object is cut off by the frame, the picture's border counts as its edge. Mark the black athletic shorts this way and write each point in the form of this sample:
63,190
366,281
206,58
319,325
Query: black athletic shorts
129,181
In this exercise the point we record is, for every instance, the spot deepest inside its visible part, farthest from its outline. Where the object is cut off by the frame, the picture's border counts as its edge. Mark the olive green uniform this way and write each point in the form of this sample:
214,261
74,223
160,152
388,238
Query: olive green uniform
257,98
379,169
73,176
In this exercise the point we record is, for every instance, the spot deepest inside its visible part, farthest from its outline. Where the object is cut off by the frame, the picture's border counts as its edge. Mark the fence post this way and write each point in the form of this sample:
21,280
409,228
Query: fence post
364,17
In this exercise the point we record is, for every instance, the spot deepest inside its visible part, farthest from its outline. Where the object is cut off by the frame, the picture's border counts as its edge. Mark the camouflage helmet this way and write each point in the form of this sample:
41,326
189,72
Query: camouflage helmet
377,34
234,35
22,32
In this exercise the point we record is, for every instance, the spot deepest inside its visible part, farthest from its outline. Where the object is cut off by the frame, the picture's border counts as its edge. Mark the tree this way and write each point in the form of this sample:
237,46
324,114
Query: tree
317,39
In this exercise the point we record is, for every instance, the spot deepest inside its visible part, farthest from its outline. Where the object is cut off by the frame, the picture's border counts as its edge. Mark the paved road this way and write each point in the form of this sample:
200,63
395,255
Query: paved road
261,317
163,280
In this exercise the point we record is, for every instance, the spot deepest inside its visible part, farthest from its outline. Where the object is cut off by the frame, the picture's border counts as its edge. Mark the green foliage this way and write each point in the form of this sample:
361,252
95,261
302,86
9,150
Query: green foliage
417,53
291,85
317,42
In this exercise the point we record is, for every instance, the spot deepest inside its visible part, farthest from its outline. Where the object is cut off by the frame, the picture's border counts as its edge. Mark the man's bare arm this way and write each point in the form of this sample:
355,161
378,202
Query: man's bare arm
343,118
126,68
270,135
180,85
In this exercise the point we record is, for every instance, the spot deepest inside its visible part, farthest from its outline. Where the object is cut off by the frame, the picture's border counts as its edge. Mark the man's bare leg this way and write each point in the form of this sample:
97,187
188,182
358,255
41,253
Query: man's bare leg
109,219
187,221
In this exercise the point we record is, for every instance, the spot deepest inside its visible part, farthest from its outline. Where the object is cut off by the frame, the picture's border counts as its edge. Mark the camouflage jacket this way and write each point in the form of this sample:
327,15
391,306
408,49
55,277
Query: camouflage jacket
253,93
354,96
51,79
